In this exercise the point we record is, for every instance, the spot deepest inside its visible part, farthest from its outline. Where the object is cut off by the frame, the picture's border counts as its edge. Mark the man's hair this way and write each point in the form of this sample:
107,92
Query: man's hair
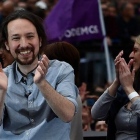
23,14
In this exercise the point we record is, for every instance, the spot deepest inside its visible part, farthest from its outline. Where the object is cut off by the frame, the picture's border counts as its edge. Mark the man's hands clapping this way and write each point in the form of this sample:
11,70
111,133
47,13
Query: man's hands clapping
41,70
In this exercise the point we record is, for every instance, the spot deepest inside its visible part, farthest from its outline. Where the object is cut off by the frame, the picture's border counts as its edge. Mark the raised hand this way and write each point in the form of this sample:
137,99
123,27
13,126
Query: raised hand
117,62
126,76
3,80
83,91
41,70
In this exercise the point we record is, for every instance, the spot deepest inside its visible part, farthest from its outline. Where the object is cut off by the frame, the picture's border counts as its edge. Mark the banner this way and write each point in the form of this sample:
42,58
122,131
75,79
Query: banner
74,20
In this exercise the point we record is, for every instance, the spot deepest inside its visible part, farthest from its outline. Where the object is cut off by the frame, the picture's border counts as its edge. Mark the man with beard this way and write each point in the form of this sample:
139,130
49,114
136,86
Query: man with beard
37,95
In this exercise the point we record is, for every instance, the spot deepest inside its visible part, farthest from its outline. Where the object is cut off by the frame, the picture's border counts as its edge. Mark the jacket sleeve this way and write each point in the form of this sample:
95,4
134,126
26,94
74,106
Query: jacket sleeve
101,107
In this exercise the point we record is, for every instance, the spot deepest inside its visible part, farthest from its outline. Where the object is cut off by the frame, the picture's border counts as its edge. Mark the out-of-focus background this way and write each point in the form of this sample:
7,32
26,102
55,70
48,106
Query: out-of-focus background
99,29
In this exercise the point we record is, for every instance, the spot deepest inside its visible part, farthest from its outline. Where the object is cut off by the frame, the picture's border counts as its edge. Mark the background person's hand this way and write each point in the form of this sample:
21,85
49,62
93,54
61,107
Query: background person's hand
83,91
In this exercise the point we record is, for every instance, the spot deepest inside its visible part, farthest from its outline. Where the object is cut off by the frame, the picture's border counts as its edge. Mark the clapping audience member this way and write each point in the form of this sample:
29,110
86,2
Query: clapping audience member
119,105
37,95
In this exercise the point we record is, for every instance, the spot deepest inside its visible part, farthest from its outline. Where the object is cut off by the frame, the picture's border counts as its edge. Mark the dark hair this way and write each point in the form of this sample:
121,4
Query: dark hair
64,51
23,14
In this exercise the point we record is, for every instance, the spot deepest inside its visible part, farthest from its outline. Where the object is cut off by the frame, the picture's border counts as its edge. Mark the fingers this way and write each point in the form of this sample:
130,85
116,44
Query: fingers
83,87
116,64
130,63
45,60
123,67
43,65
40,70
133,73
123,62
118,60
118,56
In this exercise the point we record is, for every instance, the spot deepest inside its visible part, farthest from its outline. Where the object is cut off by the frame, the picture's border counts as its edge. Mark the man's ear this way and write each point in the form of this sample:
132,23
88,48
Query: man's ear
7,46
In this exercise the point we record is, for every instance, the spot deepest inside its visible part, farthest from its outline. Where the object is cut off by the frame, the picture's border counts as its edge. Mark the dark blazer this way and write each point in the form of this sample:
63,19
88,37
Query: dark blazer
118,102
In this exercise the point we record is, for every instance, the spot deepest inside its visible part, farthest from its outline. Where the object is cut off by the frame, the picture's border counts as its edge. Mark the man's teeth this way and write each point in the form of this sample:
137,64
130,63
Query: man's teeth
25,52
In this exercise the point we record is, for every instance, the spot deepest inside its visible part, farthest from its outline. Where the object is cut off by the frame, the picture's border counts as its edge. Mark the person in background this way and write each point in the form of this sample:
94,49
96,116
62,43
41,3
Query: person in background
83,92
41,9
112,10
1,3
128,28
100,126
86,119
6,57
7,8
119,105
111,25
128,23
22,4
64,51
37,95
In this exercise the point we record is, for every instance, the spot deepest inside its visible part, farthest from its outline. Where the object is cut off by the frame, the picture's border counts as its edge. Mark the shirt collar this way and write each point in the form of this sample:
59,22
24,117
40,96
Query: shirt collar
19,76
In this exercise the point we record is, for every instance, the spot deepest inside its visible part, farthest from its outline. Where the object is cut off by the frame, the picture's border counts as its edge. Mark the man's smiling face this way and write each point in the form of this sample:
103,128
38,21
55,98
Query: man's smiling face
23,41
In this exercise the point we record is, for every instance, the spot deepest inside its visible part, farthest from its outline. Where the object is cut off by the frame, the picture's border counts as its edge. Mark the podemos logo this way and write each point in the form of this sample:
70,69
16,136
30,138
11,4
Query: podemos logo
79,31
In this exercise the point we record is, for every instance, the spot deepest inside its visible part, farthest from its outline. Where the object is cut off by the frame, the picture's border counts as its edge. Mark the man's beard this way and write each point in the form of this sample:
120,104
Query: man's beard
26,61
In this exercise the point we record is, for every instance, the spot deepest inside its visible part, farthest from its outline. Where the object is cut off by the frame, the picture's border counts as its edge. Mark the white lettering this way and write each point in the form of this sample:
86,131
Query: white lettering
93,29
84,31
79,31
73,32
67,34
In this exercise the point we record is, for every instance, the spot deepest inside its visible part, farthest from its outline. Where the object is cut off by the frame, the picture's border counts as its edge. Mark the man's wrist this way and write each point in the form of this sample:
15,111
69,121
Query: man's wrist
41,83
